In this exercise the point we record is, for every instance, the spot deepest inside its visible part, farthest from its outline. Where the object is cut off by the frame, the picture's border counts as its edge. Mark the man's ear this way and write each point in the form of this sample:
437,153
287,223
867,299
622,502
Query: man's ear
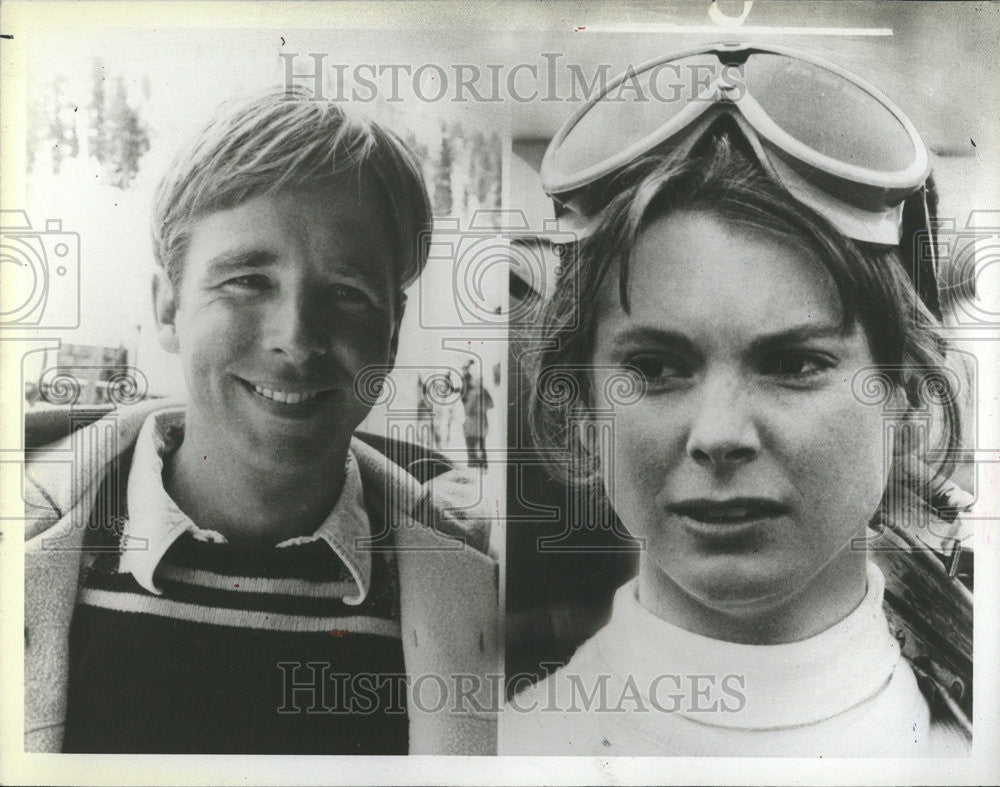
165,311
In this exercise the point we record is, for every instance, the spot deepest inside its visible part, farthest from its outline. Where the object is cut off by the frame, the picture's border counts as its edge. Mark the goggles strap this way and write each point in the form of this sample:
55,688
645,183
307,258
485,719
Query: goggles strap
930,234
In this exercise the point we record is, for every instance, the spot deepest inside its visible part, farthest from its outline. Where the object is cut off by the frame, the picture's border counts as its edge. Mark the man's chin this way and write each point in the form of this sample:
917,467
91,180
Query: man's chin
299,434
295,448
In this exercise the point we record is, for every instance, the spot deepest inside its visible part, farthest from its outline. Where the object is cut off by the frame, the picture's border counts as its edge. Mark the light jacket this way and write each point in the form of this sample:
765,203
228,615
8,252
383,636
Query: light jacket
448,589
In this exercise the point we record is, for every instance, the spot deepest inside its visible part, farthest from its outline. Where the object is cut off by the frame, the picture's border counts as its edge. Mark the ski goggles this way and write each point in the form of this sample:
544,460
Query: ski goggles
833,140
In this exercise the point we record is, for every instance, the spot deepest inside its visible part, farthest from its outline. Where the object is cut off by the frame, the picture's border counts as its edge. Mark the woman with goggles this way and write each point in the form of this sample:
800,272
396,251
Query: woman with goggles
764,397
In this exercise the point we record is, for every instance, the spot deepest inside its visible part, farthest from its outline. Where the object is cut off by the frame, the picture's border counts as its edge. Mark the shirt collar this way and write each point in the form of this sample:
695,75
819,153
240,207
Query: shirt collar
155,521
790,684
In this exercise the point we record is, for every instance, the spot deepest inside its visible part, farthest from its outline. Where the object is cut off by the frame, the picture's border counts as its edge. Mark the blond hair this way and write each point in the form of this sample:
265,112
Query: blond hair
284,139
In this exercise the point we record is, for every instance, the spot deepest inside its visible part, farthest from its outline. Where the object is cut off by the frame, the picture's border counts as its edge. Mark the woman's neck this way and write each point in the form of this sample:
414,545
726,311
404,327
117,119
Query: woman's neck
826,600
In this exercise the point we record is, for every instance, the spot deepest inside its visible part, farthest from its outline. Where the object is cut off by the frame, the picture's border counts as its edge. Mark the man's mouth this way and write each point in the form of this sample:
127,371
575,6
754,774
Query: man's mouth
731,511
285,396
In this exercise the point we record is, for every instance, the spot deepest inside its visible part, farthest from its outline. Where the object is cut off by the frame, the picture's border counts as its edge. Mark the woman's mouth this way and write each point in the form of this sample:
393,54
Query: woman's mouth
733,511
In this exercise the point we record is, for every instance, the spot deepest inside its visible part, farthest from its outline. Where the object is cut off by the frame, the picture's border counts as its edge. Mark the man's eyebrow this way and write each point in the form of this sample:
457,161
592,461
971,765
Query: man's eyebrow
241,259
360,268
357,268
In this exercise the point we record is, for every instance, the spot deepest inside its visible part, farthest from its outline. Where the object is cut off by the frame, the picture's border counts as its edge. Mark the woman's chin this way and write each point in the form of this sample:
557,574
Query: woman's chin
736,586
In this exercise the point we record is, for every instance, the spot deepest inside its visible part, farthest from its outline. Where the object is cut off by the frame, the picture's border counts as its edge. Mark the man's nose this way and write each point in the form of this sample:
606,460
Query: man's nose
723,431
297,328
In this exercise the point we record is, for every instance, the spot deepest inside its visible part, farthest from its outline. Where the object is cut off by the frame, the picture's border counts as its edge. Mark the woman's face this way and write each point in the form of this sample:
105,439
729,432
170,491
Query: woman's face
748,466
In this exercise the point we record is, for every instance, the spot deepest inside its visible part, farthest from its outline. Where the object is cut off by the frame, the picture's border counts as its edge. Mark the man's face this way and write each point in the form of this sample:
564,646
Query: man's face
284,299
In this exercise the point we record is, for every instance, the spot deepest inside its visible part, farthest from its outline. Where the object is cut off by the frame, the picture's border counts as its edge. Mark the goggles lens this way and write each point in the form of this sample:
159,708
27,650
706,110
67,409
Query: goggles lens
635,109
828,113
836,133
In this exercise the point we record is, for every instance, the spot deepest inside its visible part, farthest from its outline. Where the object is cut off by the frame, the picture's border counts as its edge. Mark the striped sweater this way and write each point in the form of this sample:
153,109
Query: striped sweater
231,648
245,651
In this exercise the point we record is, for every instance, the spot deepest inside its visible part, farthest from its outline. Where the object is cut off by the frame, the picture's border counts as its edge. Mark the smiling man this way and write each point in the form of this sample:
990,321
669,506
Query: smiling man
284,300
243,573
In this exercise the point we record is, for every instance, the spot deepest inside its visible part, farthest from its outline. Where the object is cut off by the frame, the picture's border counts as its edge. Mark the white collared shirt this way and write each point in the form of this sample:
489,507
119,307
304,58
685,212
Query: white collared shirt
155,521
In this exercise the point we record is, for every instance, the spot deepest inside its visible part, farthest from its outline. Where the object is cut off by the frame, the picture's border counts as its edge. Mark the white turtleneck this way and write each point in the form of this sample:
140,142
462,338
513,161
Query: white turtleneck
642,686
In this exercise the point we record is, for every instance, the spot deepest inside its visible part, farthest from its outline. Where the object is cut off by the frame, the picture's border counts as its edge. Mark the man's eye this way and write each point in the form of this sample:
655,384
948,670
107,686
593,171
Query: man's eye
350,296
250,281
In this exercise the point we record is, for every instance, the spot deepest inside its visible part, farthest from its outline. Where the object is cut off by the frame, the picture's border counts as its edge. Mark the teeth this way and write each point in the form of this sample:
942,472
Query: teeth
285,397
728,513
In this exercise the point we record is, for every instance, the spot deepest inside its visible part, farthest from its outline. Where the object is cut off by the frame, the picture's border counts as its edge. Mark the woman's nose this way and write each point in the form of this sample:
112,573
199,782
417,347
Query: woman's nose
723,432
297,328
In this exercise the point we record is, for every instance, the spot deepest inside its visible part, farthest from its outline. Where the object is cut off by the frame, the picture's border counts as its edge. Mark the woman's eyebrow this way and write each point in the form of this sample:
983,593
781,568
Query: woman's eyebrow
797,334
649,335
677,340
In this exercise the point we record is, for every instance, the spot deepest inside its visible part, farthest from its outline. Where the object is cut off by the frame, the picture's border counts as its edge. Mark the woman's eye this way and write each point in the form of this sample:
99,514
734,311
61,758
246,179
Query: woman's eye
797,364
655,369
